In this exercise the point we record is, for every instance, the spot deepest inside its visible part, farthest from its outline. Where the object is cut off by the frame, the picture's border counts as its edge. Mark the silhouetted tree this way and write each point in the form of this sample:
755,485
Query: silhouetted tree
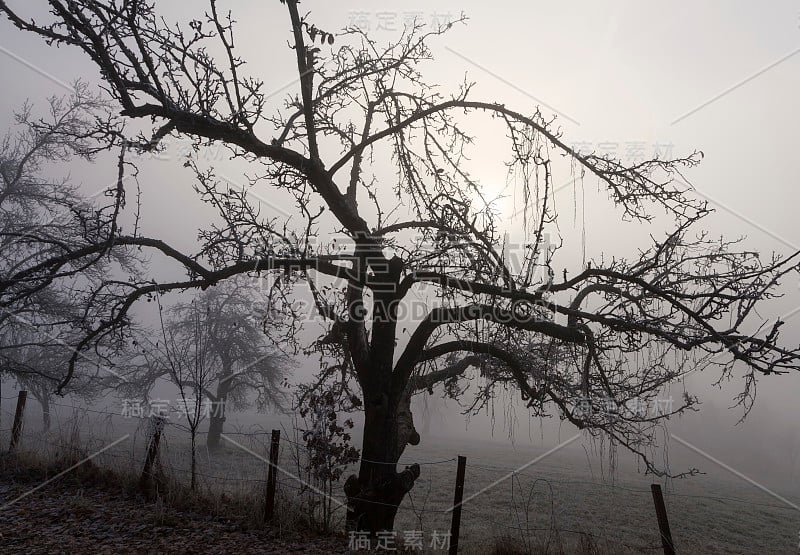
426,234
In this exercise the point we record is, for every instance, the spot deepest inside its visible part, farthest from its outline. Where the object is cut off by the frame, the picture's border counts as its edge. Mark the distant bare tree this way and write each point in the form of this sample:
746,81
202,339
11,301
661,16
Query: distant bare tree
241,368
38,369
609,332
184,352
43,320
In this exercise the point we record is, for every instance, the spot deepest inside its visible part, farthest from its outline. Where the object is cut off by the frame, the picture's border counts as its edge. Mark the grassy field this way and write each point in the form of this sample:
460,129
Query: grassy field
565,499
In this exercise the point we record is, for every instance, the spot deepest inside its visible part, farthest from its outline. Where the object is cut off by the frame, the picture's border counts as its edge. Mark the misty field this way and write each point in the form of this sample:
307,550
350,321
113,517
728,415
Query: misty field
566,498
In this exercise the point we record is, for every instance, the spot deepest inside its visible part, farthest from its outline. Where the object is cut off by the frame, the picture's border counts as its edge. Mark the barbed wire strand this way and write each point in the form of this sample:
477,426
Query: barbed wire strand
495,468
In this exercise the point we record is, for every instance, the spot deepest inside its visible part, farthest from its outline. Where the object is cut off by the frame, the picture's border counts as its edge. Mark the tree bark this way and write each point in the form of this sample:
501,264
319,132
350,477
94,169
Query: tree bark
215,427
376,493
193,485
216,420
45,413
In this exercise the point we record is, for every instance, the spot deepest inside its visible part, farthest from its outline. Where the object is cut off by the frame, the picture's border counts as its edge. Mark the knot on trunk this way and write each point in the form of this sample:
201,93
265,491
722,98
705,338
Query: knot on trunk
379,402
407,477
407,433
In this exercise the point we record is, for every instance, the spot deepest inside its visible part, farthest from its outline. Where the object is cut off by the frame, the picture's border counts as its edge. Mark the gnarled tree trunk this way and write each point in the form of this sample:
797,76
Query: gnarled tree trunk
376,493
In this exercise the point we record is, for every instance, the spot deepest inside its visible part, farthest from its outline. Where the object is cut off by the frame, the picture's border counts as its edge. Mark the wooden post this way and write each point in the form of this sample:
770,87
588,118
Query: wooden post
16,429
455,524
272,475
663,523
157,425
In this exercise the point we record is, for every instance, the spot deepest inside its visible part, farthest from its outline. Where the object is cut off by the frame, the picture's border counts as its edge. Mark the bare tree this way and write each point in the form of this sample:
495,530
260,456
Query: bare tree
38,370
42,320
565,341
241,367
184,353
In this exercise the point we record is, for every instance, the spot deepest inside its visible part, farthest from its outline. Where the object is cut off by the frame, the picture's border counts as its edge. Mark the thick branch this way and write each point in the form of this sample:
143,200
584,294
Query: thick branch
444,316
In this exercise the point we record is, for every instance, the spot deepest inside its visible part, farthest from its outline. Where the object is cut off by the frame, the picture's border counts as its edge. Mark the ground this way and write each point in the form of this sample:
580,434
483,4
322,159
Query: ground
556,505
65,517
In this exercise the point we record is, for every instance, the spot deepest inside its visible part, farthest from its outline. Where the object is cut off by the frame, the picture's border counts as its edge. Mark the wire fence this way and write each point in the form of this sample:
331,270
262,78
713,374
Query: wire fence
502,499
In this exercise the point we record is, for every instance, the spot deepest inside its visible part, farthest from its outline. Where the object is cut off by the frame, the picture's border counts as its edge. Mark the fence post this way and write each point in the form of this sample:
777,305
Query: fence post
269,501
16,429
157,425
455,524
663,523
